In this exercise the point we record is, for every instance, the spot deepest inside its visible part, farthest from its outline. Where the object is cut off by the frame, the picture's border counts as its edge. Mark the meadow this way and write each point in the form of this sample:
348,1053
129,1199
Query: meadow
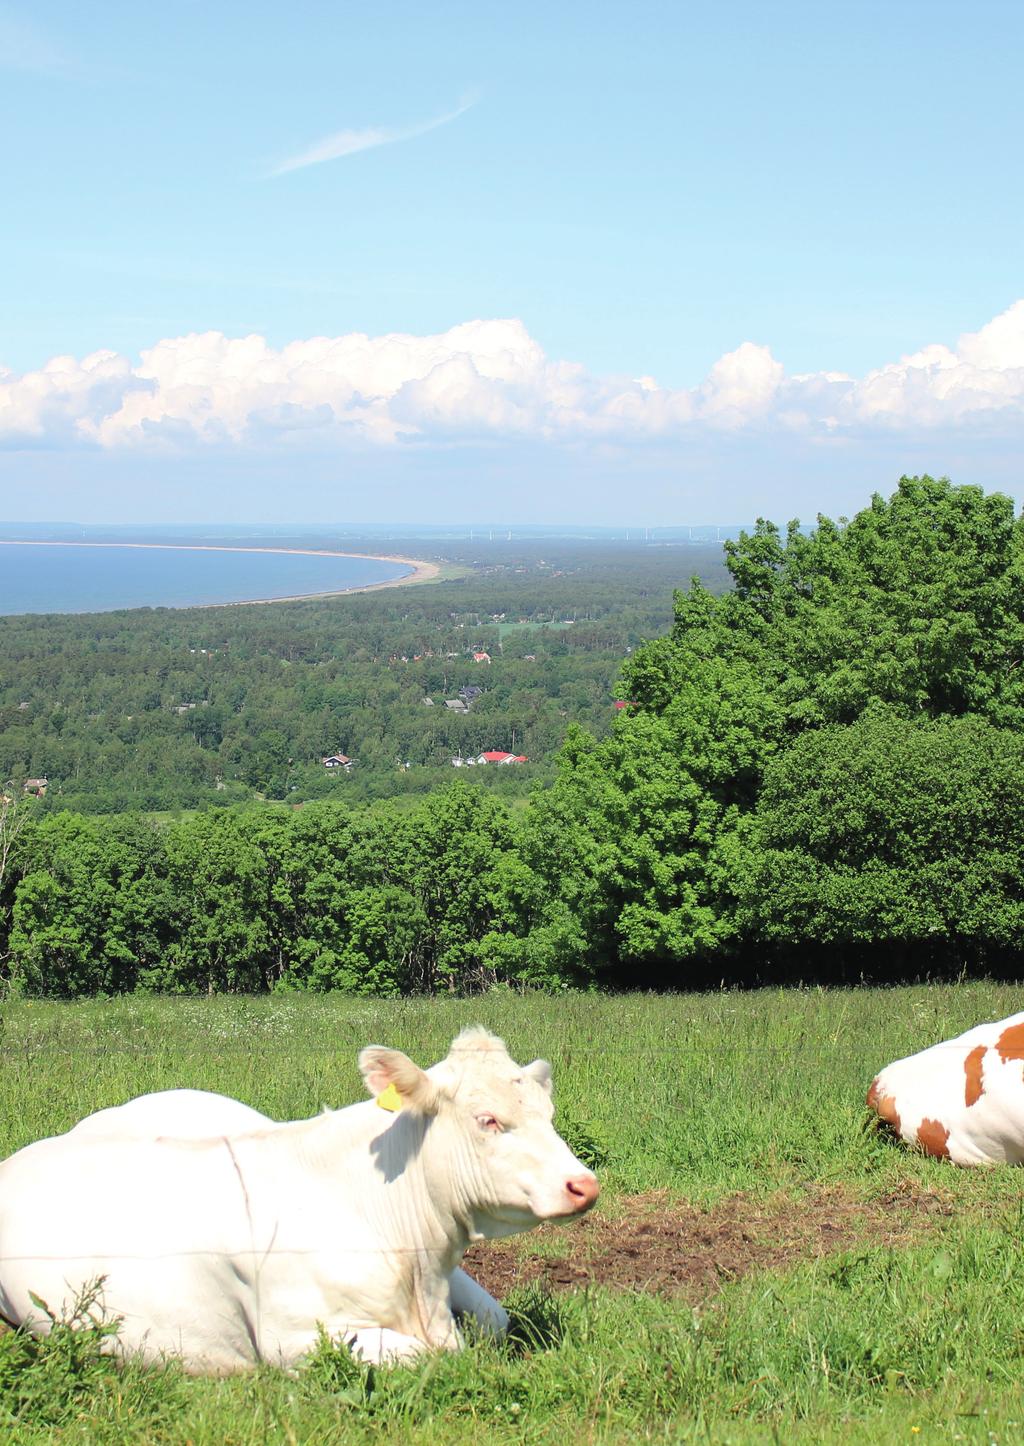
762,1266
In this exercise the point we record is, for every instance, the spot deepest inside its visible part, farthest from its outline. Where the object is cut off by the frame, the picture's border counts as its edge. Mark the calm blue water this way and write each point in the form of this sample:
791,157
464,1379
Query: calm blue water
98,579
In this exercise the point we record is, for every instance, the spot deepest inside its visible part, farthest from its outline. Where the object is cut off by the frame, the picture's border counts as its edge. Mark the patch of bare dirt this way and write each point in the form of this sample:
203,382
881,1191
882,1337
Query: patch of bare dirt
666,1247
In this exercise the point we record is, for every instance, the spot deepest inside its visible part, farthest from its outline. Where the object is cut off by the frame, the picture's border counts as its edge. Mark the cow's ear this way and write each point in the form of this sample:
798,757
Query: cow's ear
540,1070
383,1067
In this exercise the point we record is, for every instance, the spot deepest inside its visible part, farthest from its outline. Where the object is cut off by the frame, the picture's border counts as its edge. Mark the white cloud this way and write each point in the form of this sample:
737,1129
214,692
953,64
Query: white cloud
348,143
742,385
58,402
490,380
1000,344
981,382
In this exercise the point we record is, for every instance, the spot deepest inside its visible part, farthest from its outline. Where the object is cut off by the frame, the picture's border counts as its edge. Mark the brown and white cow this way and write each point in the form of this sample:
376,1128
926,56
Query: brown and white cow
232,1248
961,1100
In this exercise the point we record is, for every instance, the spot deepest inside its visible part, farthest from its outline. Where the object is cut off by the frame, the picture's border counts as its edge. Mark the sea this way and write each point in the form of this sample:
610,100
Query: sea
55,578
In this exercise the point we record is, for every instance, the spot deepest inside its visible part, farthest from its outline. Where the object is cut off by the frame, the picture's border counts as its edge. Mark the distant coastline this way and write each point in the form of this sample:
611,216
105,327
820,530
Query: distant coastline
422,571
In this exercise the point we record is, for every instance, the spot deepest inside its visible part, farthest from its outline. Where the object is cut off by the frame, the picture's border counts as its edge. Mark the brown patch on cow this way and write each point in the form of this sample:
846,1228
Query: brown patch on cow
933,1138
1010,1043
884,1106
666,1247
973,1088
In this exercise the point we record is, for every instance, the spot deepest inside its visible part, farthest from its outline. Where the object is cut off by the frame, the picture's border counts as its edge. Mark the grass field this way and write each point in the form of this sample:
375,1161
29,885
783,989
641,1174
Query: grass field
761,1267
558,625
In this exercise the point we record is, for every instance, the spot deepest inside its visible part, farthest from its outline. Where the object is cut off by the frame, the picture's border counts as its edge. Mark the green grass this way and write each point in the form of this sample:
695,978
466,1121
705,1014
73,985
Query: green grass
447,572
503,629
697,1095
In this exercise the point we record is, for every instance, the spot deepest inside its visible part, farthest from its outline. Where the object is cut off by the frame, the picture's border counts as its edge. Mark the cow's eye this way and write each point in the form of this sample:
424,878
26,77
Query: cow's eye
488,1122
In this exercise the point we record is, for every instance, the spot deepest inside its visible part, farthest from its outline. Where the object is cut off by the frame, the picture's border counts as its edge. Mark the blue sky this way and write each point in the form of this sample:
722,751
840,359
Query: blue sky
631,191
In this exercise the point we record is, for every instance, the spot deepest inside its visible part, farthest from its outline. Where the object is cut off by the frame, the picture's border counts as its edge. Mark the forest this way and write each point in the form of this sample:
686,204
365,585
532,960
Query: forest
158,709
819,775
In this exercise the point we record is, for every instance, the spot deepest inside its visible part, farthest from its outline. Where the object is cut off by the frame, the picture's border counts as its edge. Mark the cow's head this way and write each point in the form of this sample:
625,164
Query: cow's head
491,1146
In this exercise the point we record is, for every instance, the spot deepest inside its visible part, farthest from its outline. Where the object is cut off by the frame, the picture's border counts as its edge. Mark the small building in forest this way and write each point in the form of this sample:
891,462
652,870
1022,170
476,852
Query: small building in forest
338,760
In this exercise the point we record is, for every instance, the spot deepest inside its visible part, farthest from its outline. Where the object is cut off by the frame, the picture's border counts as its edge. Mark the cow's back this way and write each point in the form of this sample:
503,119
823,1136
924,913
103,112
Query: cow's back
156,1227
178,1114
961,1099
222,1251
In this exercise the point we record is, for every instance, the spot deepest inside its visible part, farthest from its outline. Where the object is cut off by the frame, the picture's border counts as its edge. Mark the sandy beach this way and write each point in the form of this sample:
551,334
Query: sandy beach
421,571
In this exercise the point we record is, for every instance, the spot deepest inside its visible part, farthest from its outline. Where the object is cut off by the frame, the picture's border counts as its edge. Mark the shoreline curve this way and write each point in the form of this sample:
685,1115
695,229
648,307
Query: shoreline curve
422,571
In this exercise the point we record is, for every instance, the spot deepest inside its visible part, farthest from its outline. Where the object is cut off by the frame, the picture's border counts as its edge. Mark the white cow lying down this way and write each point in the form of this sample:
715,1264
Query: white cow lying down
198,1114
227,1238
961,1100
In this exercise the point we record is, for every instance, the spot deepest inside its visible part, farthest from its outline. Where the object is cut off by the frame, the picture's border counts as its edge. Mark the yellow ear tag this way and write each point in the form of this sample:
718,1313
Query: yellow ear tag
390,1099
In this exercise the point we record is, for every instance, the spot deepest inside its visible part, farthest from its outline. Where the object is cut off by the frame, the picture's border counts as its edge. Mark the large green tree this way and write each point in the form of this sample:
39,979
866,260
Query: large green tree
91,907
647,846
887,845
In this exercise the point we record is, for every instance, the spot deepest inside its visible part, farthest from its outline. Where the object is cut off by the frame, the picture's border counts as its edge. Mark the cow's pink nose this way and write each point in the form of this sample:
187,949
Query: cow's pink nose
582,1190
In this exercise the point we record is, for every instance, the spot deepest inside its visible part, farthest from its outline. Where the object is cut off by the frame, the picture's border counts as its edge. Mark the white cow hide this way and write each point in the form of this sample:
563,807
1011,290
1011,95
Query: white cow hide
201,1114
230,1249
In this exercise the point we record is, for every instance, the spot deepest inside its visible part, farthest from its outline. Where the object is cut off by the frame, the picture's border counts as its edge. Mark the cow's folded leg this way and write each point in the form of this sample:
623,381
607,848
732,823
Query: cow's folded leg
471,1302
379,1346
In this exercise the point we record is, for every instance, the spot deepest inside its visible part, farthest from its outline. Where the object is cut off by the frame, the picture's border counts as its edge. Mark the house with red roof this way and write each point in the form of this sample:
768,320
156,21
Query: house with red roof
497,756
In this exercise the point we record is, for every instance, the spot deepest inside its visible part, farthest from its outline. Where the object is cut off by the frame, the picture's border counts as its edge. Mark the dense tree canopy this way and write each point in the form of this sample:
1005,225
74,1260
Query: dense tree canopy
158,709
819,774
852,674
381,900
891,843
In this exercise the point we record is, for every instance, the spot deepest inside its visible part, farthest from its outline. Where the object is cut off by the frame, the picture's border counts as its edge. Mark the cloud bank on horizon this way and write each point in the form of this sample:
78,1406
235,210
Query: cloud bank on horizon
489,380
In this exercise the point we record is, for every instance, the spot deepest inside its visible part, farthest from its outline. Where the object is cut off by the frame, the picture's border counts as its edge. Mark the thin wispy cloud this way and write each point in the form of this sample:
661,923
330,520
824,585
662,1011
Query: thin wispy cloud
350,142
